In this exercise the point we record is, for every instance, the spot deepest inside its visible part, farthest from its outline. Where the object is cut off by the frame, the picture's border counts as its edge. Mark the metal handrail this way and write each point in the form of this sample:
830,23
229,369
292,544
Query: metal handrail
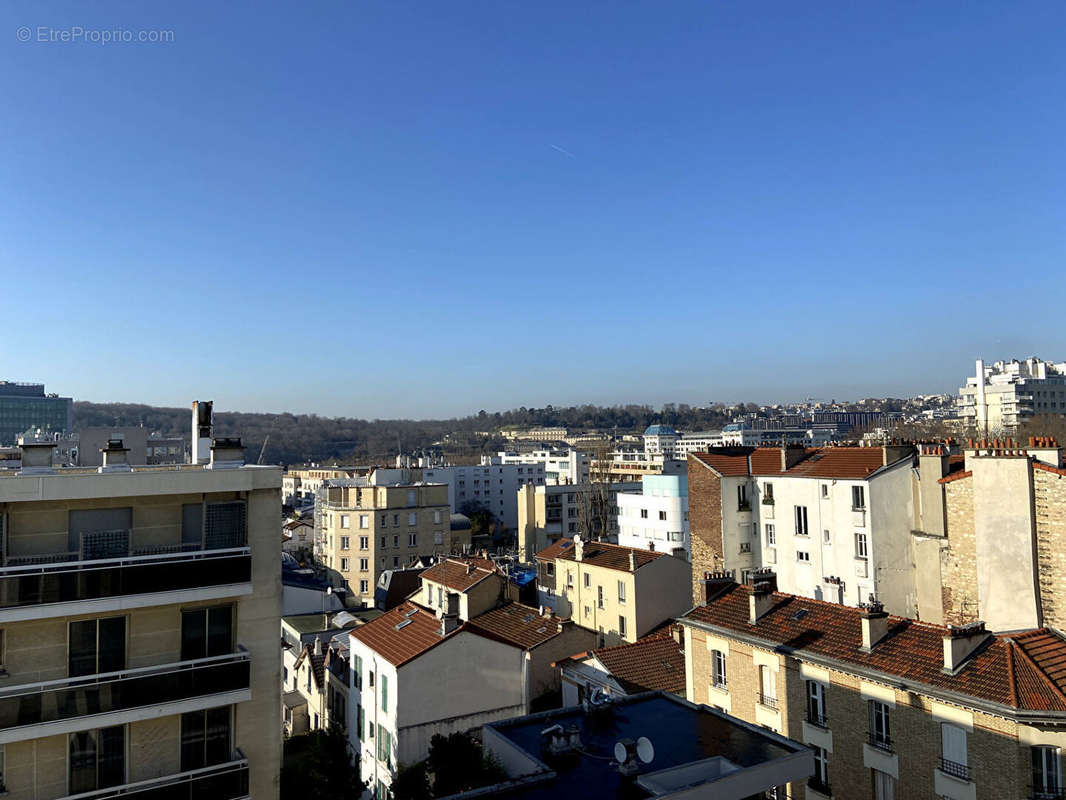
181,777
111,677
101,563
955,769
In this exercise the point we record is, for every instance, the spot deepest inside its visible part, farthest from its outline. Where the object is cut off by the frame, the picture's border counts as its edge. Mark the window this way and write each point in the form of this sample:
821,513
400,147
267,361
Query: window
357,671
384,520
644,513
767,687
880,732
801,520
412,540
384,748
396,520
346,521
588,580
816,704
411,494
344,565
599,597
858,497
718,677
412,518
884,786
96,645
364,564
549,568
438,537
768,493
436,516
819,781
97,759
1047,774
395,562
860,545
359,719
622,626
364,587
345,541
384,693
825,490
803,557
662,516
742,497
384,542
827,537
205,738
396,541
771,536
953,757
621,591
364,520
569,579
206,632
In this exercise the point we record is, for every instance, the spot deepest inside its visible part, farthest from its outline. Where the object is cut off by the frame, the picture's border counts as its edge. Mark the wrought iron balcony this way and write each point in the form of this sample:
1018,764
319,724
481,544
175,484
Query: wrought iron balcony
70,698
880,741
817,719
68,581
955,769
227,781
768,701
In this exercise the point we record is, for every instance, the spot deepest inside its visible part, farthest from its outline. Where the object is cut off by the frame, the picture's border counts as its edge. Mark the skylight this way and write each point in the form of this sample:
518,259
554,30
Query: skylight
403,624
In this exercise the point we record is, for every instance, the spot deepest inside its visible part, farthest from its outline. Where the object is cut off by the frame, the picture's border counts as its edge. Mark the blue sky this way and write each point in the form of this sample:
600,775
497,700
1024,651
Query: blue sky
426,208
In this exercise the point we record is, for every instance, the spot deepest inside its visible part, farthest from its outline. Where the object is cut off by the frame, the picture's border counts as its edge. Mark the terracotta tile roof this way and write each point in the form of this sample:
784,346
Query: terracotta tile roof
1048,468
599,554
519,624
318,664
848,463
956,476
460,573
655,662
408,631
1022,670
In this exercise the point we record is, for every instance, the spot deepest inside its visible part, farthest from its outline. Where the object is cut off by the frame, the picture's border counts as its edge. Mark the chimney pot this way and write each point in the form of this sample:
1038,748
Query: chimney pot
36,456
226,453
961,642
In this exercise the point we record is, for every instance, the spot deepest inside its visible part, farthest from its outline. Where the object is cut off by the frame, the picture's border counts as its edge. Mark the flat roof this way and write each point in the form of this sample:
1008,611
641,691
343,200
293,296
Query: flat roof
681,733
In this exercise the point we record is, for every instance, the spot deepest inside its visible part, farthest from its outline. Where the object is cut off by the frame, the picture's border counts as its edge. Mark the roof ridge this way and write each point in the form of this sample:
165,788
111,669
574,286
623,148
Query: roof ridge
1012,680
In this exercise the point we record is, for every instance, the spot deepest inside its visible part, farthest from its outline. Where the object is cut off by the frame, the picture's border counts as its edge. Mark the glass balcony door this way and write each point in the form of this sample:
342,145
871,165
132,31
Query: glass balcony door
96,645
97,759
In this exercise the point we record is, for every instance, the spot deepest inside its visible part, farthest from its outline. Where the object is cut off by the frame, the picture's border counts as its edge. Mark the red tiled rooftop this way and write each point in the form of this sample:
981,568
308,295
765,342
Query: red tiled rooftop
656,662
1023,670
519,624
599,554
848,463
460,573
398,646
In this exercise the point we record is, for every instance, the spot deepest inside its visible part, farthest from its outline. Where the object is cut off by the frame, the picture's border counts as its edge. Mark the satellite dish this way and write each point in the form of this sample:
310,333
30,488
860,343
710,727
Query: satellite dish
621,750
645,750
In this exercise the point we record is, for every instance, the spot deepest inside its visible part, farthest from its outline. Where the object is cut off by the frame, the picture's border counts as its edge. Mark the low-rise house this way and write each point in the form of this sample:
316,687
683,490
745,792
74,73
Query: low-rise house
892,707
654,663
621,593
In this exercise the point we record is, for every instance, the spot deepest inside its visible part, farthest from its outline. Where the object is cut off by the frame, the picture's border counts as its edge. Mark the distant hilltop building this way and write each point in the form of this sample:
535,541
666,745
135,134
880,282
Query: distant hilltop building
25,406
1001,395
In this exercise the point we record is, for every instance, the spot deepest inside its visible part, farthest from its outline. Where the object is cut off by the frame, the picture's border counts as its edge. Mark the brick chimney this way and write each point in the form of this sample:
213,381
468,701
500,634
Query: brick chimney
760,601
449,616
713,584
874,620
961,642
791,454
632,560
763,575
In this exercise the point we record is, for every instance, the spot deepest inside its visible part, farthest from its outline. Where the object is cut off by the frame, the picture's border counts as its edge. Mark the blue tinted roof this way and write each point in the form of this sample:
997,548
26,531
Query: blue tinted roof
660,430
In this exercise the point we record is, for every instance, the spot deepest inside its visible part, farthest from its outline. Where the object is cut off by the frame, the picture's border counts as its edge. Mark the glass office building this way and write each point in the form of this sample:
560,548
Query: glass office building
25,406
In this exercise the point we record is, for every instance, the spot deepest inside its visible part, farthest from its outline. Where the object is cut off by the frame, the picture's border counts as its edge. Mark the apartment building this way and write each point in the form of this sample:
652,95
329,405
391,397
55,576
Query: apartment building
621,593
989,542
696,442
551,512
139,611
365,529
491,486
565,466
834,523
660,440
25,407
1003,394
299,485
632,463
892,707
657,518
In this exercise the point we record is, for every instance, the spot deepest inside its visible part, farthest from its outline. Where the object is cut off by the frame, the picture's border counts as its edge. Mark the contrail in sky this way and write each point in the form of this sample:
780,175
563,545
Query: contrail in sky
566,153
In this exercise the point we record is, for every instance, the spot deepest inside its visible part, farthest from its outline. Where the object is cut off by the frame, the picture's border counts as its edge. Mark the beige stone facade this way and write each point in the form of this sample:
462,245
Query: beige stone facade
365,530
158,589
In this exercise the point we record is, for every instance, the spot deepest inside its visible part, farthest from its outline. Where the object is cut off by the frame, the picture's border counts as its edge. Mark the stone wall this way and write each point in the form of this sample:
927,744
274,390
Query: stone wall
958,561
705,521
1049,490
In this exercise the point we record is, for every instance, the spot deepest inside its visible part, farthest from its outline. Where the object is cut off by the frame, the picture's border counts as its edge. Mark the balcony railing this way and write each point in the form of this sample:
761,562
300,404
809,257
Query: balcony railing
70,698
768,701
955,769
1048,794
880,741
227,781
820,786
73,581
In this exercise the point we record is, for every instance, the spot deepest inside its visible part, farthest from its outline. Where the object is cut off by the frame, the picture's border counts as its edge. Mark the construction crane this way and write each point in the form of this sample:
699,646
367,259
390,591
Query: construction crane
266,440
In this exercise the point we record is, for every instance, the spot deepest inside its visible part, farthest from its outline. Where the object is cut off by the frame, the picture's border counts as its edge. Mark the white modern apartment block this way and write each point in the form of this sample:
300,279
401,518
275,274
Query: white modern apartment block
494,486
696,442
561,467
139,612
659,440
741,434
657,518
1000,396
